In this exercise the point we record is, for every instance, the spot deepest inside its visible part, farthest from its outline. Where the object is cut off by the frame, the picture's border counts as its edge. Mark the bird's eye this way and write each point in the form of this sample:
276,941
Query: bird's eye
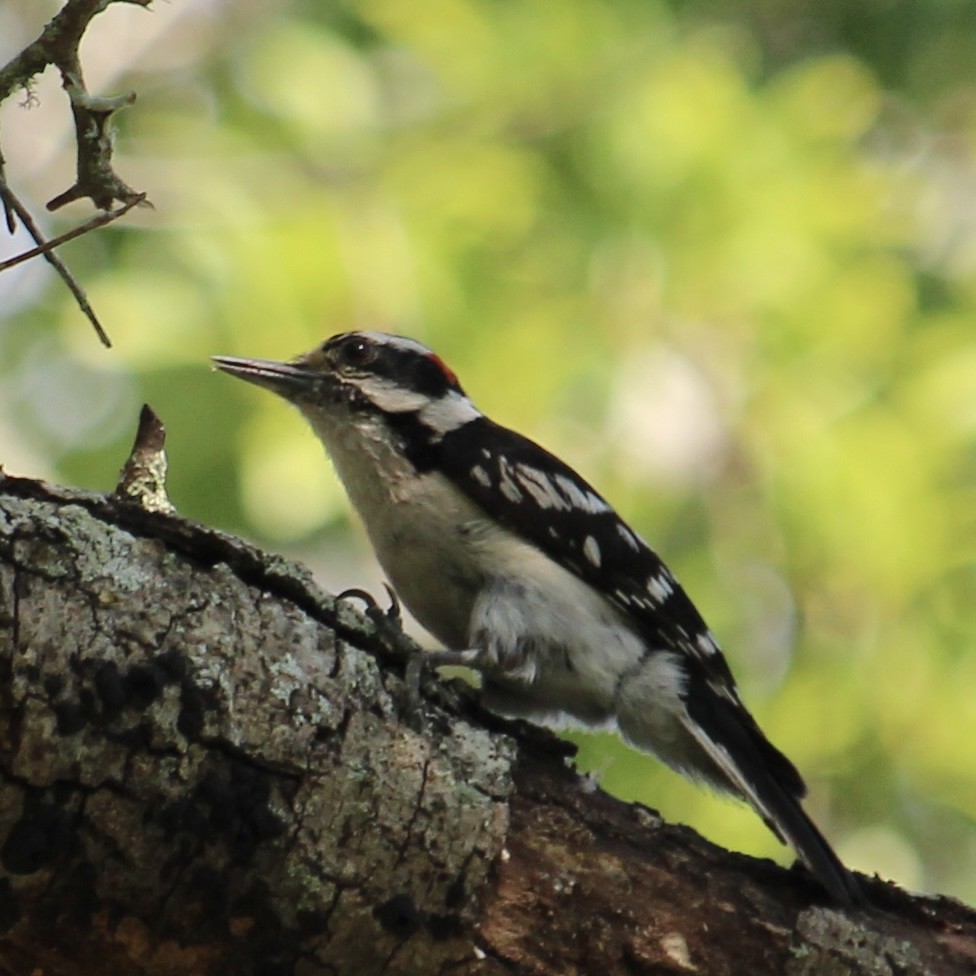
355,352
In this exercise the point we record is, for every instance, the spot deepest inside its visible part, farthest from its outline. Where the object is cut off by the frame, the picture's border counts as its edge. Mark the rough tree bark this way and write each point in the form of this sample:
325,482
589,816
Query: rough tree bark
206,768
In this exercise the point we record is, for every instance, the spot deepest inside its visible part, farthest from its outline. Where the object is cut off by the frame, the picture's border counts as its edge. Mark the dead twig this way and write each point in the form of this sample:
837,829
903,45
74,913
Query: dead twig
99,220
12,203
58,45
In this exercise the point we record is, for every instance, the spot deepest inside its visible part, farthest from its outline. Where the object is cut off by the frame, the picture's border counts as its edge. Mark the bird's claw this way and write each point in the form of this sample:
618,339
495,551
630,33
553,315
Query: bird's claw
393,612
372,609
391,619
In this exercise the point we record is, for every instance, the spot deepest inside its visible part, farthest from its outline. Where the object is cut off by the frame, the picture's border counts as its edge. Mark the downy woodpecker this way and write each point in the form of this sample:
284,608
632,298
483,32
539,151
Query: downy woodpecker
525,573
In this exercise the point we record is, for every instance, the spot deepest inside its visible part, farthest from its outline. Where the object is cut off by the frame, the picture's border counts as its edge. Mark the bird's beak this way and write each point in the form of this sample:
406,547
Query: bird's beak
289,381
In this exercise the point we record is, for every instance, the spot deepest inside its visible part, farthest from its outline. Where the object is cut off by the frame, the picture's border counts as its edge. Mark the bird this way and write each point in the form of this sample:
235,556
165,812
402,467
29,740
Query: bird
526,574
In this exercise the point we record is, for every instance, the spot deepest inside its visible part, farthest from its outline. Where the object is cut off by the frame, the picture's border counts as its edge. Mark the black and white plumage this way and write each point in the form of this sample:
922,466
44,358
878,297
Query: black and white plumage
525,573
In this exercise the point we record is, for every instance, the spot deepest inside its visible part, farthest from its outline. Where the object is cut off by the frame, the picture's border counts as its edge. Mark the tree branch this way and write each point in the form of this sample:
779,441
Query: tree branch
58,45
12,205
95,177
206,768
99,220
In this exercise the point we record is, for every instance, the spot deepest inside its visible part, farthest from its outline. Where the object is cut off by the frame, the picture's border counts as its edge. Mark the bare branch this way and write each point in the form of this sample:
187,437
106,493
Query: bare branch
8,213
58,45
208,764
93,136
99,220
13,204
95,178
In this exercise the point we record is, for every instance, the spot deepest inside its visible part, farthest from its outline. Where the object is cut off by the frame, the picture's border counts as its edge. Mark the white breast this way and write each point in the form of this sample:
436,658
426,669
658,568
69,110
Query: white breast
419,525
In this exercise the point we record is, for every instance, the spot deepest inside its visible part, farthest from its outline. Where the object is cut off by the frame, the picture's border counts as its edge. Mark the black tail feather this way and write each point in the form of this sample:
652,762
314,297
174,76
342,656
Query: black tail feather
787,819
754,769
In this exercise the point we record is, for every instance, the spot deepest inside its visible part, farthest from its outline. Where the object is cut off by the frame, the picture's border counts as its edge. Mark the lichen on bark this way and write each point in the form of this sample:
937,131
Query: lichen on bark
199,776
206,766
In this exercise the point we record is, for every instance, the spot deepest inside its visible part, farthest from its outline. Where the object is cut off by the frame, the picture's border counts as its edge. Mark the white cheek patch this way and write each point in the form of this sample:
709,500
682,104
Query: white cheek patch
447,413
390,397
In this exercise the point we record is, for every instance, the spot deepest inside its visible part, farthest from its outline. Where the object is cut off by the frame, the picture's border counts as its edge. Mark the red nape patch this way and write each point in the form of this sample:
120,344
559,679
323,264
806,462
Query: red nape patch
445,369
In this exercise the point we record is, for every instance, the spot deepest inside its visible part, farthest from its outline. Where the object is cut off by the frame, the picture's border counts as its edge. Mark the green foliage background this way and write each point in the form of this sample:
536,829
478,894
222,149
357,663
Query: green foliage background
721,256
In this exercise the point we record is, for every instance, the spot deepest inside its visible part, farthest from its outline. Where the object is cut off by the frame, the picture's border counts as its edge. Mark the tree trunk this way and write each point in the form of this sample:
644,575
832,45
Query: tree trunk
206,767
